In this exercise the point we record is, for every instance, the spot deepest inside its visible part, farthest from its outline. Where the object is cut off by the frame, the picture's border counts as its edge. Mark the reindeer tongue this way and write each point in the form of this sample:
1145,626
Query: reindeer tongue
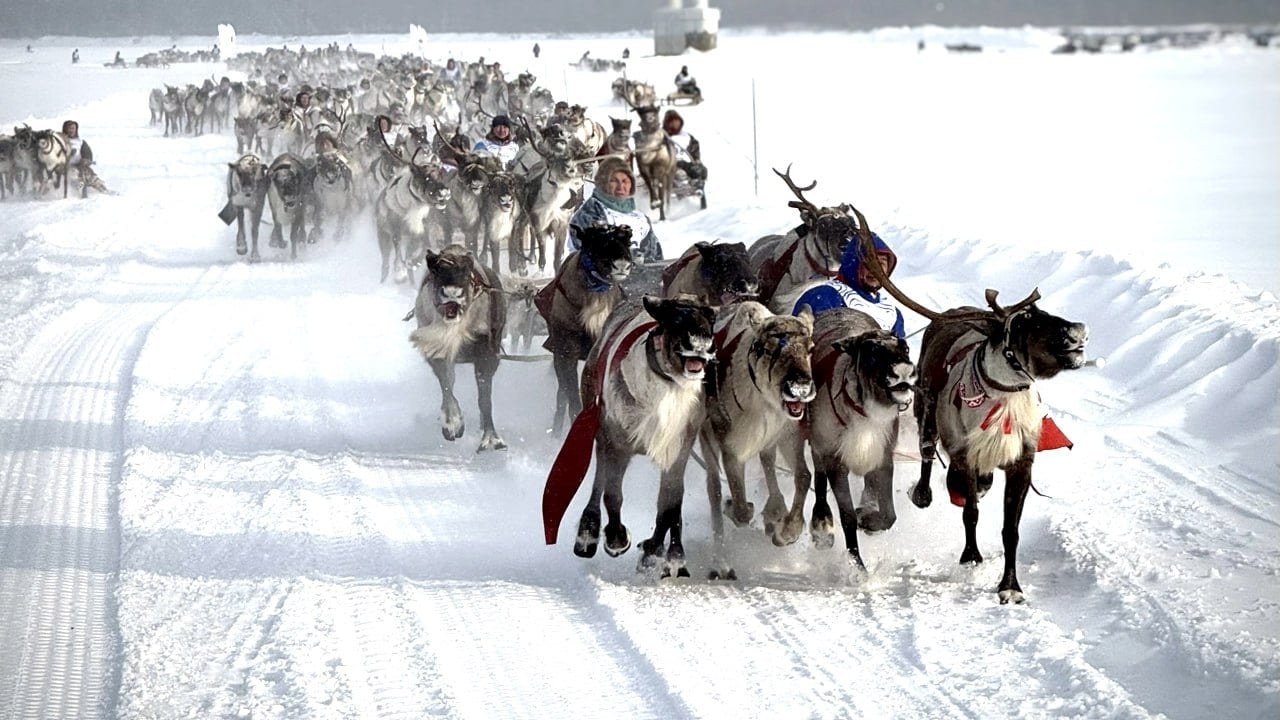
694,365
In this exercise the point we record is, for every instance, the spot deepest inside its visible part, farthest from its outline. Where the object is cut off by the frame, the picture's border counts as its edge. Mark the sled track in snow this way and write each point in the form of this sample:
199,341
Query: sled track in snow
61,430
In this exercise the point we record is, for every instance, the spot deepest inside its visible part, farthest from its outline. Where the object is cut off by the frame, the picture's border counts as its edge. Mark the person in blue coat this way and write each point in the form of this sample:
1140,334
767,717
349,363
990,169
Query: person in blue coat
857,287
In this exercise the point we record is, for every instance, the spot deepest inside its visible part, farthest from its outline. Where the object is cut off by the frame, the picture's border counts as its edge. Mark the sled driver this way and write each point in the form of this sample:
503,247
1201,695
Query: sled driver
857,287
82,159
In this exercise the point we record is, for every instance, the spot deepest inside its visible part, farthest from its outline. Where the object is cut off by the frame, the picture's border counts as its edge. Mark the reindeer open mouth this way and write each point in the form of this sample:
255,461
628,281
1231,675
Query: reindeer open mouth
450,304
796,397
694,363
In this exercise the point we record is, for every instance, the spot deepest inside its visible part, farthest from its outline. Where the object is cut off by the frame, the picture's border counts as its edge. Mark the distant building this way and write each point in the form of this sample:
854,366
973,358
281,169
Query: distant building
676,27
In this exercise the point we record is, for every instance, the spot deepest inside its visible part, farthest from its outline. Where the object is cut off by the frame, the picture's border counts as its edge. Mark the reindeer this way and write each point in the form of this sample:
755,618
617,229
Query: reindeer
578,301
44,155
619,141
551,197
7,166
246,192
401,213
155,102
864,378
655,159
523,319
986,364
505,222
642,387
715,273
172,106
334,191
786,265
761,388
288,191
461,319
588,132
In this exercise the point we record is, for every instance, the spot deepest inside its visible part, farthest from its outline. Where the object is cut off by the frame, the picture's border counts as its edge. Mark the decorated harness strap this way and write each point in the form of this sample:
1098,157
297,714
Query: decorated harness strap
607,361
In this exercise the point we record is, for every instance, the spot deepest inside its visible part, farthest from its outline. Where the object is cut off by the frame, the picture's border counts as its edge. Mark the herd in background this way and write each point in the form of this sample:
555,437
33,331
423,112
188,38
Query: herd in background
328,134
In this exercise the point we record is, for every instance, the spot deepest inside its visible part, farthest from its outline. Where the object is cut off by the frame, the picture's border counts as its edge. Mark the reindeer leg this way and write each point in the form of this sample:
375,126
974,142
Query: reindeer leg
876,511
617,539
486,364
567,392
452,425
669,518
255,217
961,479
608,460
1017,479
738,508
711,456
822,525
775,506
848,515
791,526
927,420
241,246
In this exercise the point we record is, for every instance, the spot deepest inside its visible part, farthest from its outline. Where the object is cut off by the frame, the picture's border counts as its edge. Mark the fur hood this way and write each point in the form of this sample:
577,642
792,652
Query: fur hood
853,259
609,167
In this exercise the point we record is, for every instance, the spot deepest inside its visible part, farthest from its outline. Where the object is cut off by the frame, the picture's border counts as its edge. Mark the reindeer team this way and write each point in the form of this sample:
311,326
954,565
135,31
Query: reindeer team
722,359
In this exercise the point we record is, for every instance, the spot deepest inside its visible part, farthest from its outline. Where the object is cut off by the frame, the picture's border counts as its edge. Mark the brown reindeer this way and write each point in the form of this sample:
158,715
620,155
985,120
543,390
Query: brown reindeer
759,390
578,301
983,365
864,377
715,273
655,159
461,318
787,264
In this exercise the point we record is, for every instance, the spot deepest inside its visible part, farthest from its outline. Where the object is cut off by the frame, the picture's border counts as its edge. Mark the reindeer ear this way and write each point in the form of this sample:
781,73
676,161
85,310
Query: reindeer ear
805,316
433,258
706,250
656,307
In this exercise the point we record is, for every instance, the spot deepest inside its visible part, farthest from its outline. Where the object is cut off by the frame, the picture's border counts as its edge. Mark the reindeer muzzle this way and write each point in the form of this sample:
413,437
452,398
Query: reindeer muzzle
694,363
796,396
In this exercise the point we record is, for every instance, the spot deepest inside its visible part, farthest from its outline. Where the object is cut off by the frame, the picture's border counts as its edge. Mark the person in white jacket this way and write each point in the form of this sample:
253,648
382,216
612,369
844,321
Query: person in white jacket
500,142
688,152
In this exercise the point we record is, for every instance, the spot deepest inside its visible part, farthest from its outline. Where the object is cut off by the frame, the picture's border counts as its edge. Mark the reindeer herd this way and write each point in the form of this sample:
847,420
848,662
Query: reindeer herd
34,162
720,360
706,350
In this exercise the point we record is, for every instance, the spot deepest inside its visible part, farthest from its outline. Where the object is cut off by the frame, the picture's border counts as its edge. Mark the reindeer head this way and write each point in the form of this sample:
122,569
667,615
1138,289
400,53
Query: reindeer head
727,272
1039,343
437,185
332,170
681,344
606,251
621,126
779,358
833,226
248,176
504,189
882,365
455,279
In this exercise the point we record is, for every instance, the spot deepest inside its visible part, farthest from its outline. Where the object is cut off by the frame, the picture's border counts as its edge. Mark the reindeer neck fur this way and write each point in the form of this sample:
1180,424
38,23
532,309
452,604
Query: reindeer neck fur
858,436
575,303
436,339
993,427
750,406
655,412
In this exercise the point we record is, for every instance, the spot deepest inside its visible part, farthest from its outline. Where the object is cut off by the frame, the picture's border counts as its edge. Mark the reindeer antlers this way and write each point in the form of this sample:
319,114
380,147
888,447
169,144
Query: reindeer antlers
869,251
803,203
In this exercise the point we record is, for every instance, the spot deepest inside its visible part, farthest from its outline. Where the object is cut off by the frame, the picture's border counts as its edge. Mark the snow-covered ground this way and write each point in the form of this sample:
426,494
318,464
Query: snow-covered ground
224,493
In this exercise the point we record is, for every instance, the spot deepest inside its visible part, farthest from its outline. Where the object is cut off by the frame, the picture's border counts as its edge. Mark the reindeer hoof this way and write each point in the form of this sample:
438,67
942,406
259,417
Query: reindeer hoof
242,247
453,430
921,496
970,556
726,574
740,516
787,532
491,441
774,514
822,533
1012,596
875,521
680,571
617,540
584,544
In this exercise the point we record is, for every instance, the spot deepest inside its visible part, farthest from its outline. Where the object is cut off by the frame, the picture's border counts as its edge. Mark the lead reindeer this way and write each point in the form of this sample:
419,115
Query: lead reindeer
461,318
642,392
246,193
978,374
759,391
715,273
863,377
